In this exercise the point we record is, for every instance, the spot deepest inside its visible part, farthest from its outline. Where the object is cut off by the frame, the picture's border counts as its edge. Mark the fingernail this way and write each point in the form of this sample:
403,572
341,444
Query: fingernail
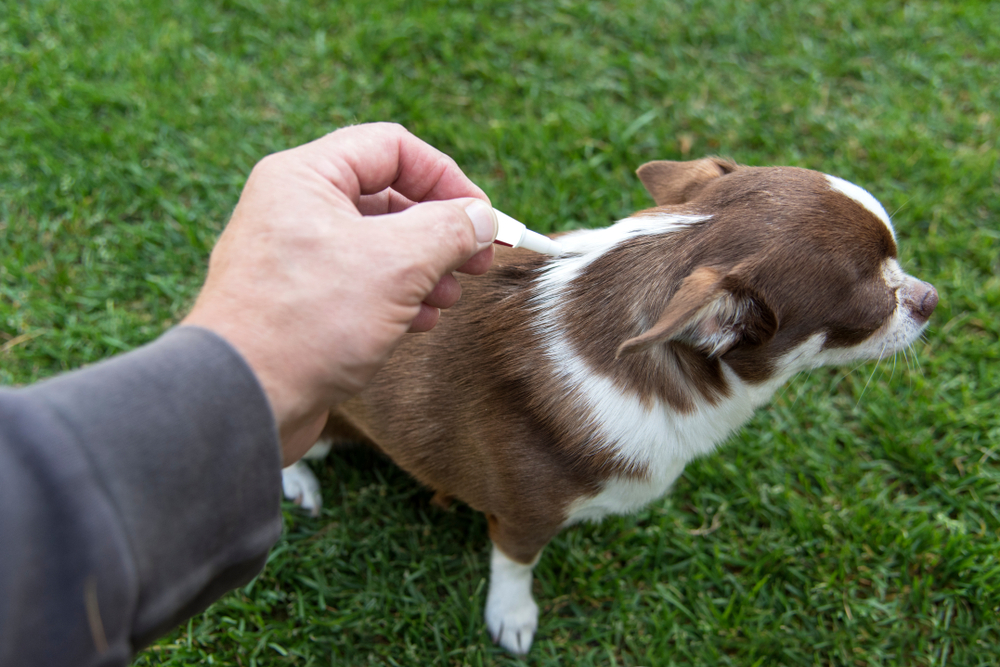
483,220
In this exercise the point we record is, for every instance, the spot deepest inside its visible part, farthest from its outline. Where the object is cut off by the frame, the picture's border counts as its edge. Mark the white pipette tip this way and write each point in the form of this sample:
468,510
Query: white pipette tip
514,234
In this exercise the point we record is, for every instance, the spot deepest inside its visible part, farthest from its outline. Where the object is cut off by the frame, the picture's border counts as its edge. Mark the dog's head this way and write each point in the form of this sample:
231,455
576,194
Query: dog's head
786,269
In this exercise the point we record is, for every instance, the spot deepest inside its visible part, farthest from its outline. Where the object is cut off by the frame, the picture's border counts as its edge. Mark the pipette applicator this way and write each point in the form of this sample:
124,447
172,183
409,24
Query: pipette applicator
514,234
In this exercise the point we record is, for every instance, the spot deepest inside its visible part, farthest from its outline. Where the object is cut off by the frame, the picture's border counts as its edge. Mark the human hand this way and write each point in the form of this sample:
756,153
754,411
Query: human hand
335,250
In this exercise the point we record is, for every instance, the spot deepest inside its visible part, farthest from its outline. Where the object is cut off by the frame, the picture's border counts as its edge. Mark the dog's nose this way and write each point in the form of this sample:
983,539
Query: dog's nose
921,299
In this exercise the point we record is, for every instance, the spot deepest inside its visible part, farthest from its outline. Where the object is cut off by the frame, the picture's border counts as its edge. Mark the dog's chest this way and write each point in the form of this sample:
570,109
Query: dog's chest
657,439
621,496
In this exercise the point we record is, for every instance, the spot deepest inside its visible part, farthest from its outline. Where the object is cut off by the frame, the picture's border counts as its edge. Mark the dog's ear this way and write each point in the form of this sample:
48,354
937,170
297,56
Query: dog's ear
679,182
710,313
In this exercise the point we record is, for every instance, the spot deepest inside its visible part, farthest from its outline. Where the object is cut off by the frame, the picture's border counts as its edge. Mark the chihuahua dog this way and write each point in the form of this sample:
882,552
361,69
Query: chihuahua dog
566,389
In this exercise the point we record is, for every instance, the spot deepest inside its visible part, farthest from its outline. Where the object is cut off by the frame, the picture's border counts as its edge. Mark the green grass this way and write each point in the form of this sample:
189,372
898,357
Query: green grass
850,523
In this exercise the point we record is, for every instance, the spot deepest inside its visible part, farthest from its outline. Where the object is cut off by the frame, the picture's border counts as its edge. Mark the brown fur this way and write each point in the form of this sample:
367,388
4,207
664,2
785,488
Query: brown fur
474,411
464,412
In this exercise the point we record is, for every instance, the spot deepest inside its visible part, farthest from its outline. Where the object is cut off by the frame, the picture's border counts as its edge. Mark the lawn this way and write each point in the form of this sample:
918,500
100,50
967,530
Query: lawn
854,521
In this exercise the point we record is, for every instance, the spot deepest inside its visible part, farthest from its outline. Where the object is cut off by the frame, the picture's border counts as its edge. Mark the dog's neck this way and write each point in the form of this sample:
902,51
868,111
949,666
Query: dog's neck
593,298
670,396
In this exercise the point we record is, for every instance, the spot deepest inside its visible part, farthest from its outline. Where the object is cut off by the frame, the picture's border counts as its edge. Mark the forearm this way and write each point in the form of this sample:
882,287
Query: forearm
132,494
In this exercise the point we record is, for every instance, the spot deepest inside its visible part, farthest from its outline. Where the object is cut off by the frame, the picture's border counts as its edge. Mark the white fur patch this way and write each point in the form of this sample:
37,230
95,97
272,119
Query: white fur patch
663,440
511,612
863,197
582,247
299,484
893,274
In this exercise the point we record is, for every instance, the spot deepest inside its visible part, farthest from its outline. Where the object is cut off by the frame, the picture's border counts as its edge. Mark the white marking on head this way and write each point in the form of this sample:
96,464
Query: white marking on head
863,197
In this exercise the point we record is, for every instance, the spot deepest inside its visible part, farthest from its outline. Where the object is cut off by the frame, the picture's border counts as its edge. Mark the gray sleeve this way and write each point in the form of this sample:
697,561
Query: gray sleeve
133,493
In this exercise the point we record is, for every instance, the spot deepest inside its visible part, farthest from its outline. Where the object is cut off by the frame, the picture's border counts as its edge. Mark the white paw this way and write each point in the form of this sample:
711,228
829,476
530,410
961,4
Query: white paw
511,612
300,485
512,626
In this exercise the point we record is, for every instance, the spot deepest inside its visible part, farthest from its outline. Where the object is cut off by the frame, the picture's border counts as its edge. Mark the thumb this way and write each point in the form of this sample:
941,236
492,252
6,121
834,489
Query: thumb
443,235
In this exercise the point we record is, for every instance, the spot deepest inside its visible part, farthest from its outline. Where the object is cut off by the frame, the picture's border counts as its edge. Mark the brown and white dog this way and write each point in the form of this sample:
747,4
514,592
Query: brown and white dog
565,389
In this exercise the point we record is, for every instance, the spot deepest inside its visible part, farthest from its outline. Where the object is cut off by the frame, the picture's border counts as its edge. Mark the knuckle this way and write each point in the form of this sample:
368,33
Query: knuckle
443,164
269,163
447,162
392,127
380,127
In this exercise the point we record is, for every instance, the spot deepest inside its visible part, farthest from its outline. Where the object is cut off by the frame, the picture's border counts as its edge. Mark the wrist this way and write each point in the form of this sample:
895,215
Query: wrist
298,411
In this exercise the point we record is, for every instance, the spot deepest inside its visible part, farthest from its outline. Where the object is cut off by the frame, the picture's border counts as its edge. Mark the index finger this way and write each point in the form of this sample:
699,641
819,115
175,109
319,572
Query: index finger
367,159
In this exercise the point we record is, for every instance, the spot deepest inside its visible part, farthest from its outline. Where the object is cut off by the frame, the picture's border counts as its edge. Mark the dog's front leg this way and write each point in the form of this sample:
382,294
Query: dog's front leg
511,612
299,483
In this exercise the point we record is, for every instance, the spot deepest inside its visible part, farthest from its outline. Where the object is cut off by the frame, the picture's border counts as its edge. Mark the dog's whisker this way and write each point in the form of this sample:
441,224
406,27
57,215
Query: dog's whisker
797,379
877,362
918,368
900,207
800,392
850,372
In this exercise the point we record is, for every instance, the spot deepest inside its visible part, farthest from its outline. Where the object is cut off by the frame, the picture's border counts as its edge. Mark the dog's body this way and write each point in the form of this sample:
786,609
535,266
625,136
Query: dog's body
565,389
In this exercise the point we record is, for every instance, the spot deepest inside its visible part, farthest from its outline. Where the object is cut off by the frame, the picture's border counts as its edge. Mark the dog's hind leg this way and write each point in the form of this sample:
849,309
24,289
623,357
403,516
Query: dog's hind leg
300,485
511,612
